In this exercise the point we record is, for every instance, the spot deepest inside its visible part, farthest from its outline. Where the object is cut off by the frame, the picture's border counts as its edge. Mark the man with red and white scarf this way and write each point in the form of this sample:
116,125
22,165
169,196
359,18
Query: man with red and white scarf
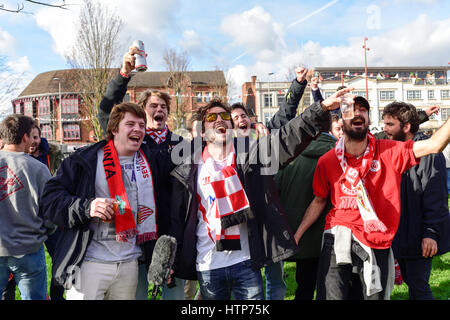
226,214
156,105
362,175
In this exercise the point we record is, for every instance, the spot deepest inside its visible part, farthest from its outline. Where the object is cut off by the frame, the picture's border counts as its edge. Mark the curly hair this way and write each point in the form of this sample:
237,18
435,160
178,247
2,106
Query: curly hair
201,112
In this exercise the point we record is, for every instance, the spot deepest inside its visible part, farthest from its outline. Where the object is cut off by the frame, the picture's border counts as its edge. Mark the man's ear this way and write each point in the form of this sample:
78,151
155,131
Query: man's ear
406,127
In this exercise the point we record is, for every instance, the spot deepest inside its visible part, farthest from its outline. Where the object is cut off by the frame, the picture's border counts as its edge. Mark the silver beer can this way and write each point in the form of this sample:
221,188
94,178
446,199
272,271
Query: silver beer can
141,60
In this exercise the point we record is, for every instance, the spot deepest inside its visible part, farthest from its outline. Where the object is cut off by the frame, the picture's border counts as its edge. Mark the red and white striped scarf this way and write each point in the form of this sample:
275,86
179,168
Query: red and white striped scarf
223,190
158,135
355,176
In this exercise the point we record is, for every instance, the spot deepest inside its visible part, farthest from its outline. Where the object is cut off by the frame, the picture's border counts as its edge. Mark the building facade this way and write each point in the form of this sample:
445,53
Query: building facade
420,86
50,98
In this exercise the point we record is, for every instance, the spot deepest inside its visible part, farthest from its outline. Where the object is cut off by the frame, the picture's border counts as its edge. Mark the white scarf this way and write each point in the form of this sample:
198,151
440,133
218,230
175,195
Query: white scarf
355,176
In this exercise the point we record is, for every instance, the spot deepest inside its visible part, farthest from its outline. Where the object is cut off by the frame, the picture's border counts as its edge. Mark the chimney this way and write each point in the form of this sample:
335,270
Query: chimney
253,80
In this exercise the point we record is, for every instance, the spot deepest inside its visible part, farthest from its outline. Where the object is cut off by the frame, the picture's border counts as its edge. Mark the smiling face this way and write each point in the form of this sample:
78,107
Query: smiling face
157,112
242,123
336,128
35,140
129,135
357,128
217,131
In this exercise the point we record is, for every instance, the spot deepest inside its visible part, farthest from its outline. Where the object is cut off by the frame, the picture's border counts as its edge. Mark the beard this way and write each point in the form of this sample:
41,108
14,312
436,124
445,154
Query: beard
399,136
355,134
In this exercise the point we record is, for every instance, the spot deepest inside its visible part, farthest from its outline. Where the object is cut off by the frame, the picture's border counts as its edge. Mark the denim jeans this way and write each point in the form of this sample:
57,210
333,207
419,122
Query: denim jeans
241,280
275,285
416,274
30,272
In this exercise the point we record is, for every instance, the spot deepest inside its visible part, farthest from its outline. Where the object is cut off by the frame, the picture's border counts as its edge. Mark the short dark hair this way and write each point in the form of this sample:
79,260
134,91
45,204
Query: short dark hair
361,101
38,128
215,102
405,113
14,127
238,105
118,113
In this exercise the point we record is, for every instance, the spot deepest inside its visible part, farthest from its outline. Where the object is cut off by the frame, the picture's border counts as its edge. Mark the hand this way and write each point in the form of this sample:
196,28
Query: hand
334,101
314,83
129,59
432,109
102,208
301,73
260,129
429,247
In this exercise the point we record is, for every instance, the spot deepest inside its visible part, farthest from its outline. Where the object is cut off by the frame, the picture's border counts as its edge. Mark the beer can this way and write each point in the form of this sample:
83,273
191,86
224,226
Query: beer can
141,60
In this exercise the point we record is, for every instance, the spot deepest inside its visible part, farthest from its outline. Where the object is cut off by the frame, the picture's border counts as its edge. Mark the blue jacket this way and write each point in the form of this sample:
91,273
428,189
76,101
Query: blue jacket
424,207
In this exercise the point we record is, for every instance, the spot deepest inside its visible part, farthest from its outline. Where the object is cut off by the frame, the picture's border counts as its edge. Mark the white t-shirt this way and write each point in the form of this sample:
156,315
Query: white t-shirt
208,258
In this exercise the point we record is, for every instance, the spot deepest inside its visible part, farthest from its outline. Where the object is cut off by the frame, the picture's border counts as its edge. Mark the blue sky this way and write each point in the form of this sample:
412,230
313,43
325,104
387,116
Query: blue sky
243,38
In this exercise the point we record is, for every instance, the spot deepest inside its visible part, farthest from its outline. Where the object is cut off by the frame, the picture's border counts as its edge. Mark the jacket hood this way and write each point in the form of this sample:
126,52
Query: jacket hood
420,136
319,147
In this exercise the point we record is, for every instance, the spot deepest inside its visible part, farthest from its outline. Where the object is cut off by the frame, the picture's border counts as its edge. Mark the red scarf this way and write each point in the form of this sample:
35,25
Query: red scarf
125,224
158,135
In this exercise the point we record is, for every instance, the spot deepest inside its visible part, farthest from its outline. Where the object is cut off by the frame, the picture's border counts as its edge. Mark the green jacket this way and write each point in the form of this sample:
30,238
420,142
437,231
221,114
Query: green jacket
294,185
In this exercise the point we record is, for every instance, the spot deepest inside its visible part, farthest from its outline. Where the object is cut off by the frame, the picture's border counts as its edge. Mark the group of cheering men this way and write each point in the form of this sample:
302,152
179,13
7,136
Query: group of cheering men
237,197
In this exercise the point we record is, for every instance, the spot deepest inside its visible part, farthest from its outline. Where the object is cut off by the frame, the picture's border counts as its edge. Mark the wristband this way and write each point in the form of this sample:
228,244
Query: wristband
123,74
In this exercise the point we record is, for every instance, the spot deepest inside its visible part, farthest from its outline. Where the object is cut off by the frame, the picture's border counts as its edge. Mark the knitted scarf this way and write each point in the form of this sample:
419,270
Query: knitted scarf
229,201
158,135
355,176
126,227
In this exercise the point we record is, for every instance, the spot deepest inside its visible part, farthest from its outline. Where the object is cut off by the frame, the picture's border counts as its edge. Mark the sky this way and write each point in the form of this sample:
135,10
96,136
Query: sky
243,38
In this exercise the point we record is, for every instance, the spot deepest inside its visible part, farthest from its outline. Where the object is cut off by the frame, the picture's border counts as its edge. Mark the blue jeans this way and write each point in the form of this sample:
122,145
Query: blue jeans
275,285
30,273
448,180
416,273
241,280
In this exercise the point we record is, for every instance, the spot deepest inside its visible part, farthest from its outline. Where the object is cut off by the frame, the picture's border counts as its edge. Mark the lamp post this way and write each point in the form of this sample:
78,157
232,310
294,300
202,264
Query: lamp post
60,111
365,65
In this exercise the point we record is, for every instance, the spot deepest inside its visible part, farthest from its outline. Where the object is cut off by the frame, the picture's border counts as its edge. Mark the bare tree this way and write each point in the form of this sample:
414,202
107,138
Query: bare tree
20,7
92,57
178,82
9,82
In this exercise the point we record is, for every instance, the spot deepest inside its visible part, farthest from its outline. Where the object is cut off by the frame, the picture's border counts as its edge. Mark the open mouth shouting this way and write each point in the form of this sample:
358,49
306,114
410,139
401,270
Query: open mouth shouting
220,127
358,122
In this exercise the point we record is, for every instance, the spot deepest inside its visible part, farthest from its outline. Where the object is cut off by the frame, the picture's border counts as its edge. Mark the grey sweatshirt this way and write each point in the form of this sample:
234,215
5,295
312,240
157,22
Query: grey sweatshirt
22,180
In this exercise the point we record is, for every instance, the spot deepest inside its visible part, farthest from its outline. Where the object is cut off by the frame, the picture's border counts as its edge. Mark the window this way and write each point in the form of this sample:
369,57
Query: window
445,94
431,94
71,131
268,100
280,99
413,94
44,106
445,113
46,131
198,97
207,97
360,93
28,108
69,105
328,94
387,95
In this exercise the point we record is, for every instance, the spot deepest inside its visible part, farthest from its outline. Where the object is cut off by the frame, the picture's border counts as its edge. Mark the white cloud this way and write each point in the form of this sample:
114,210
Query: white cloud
7,43
191,42
256,32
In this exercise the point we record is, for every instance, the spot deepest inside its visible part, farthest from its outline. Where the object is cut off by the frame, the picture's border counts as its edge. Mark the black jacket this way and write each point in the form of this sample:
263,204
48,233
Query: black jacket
424,207
66,202
270,238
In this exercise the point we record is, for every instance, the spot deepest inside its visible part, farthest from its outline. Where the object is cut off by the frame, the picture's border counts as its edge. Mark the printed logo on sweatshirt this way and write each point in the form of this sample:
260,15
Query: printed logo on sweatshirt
9,183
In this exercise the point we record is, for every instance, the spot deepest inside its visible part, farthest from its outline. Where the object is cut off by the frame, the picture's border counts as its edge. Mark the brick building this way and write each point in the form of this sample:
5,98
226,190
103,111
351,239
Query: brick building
50,98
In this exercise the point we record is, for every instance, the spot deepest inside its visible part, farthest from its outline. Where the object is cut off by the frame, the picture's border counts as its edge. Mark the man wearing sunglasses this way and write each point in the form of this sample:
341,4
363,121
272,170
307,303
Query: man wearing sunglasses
225,212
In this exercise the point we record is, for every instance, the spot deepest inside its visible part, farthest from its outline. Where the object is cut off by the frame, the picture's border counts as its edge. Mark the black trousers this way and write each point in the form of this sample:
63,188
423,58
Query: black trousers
335,282
416,274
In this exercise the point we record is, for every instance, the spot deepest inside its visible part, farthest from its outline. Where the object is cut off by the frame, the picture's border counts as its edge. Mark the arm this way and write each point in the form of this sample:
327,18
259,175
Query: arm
433,174
117,88
311,215
317,96
288,109
435,144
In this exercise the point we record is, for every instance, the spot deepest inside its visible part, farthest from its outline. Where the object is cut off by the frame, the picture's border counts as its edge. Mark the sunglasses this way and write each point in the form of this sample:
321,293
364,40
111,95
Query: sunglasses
210,117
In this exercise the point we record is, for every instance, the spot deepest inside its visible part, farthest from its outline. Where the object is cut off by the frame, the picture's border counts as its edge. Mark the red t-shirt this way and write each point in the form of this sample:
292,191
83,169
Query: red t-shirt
382,183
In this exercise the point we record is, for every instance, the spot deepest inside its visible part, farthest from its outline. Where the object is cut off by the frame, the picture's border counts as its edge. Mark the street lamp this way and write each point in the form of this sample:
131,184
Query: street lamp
60,111
365,65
